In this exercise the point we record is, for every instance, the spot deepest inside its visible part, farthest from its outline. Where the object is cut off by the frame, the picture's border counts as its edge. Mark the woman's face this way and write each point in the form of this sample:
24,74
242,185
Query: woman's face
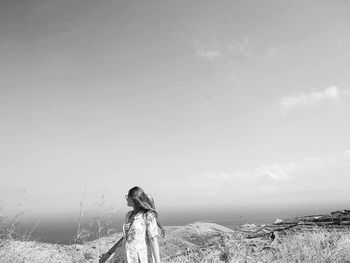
129,201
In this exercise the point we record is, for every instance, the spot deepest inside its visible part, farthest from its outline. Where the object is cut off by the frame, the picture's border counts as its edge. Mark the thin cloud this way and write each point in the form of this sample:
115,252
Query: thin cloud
280,172
267,180
311,99
274,171
232,51
240,49
211,55
206,181
326,162
193,186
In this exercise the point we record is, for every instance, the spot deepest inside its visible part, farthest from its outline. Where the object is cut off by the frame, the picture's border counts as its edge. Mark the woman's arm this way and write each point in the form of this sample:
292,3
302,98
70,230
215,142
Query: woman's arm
104,257
155,248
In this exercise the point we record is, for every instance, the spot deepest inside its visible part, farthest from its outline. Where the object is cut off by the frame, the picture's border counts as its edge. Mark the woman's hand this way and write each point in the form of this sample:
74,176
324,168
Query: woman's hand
104,257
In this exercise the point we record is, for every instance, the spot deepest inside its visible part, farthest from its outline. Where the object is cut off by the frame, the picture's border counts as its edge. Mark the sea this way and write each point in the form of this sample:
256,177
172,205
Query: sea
74,227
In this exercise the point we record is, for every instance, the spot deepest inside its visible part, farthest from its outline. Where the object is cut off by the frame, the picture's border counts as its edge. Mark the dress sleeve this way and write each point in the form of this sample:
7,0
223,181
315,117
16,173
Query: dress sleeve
151,223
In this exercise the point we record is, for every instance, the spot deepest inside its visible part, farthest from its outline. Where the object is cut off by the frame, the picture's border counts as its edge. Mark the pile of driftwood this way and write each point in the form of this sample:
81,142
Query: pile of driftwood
333,220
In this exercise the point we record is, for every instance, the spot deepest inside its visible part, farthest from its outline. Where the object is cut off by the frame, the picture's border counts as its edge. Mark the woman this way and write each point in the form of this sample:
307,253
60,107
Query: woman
140,242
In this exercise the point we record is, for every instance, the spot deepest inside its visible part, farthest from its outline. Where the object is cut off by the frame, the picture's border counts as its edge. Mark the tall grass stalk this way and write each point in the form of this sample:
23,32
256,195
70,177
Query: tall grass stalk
99,219
8,226
79,233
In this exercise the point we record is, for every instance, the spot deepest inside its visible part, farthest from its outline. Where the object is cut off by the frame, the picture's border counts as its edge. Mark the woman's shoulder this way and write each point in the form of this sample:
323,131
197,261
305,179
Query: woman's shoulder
150,216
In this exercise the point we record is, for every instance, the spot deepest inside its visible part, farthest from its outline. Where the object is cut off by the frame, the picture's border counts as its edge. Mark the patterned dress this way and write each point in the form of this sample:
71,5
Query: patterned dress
136,246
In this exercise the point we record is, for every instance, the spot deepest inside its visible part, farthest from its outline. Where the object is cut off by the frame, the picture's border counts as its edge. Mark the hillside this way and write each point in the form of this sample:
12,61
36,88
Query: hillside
177,240
198,242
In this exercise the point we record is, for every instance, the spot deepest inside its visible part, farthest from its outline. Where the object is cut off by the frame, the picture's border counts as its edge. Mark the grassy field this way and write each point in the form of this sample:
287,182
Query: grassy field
198,243
317,246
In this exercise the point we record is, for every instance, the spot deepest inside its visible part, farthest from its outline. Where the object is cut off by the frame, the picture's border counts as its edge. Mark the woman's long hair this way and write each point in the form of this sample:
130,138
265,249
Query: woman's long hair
144,203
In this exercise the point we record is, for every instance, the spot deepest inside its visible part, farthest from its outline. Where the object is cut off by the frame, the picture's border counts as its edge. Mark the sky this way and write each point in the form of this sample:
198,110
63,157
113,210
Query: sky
204,104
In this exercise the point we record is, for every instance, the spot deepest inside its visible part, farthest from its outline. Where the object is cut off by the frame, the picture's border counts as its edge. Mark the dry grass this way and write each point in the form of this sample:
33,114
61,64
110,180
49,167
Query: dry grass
18,251
305,246
320,246
12,251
